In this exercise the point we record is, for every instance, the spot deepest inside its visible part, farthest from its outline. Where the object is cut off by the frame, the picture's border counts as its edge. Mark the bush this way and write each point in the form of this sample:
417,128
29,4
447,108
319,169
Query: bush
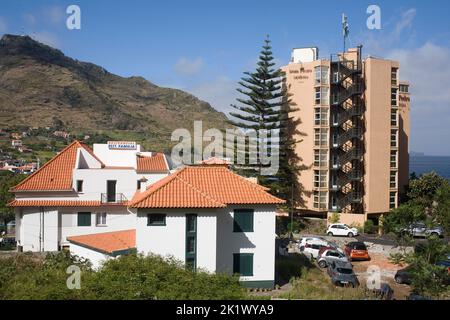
334,218
369,227
128,277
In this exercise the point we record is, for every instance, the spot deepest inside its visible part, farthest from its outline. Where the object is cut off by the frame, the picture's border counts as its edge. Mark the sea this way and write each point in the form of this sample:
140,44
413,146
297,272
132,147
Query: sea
425,164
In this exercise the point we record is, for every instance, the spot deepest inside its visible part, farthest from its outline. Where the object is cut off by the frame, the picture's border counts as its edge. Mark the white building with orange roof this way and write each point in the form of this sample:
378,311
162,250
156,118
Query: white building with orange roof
104,202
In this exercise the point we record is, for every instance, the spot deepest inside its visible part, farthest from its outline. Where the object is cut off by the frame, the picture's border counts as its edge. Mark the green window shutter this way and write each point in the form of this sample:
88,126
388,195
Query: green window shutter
243,220
84,219
243,264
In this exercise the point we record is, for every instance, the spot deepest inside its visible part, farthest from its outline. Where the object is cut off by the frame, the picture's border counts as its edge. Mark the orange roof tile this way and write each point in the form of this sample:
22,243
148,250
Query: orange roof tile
108,242
56,174
60,203
215,161
155,163
202,187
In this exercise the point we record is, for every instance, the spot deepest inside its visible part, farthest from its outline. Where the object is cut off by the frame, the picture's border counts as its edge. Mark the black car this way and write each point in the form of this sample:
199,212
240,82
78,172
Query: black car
403,276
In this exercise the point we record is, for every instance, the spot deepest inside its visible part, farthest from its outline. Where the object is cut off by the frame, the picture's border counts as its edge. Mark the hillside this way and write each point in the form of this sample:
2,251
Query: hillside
40,86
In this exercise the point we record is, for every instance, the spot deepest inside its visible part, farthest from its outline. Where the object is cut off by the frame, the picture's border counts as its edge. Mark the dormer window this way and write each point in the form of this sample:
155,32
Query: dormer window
79,185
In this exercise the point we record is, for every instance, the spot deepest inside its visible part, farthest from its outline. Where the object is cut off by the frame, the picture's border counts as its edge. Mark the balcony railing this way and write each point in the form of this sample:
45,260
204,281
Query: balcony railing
113,198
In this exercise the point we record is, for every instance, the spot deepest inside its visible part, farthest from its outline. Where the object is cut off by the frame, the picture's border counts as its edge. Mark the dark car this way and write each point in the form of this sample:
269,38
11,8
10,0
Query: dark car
403,276
356,251
341,274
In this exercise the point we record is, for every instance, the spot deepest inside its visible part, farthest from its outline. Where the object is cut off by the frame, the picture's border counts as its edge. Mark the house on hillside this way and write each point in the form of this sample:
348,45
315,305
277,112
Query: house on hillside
103,202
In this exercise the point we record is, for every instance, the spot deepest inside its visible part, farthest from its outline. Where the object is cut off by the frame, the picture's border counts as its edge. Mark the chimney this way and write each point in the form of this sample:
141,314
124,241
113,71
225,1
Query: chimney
144,184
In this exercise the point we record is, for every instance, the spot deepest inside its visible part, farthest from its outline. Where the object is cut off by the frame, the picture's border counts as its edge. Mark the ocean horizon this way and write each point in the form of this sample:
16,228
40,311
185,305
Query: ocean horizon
424,164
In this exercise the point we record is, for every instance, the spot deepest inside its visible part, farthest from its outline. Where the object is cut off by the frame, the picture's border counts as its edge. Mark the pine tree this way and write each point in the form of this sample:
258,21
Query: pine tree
266,106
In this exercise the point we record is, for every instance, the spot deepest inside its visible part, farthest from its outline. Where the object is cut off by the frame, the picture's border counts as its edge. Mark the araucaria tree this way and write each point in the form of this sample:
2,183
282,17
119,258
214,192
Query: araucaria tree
264,106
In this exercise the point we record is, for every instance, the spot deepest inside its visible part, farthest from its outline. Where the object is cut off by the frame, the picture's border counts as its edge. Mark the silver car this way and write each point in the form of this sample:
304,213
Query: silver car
330,255
420,229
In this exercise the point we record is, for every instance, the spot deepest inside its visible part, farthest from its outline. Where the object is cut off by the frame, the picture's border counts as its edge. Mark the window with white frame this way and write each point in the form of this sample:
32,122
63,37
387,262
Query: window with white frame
393,179
321,137
392,199
393,138
394,76
394,97
100,219
320,158
321,75
393,158
321,96
320,178
321,116
394,118
320,199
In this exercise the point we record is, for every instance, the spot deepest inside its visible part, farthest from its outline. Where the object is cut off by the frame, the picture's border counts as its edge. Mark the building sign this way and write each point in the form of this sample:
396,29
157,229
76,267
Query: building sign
122,145
301,74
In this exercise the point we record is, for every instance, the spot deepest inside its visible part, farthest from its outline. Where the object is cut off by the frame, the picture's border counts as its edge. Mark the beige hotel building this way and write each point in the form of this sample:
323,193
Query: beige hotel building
352,129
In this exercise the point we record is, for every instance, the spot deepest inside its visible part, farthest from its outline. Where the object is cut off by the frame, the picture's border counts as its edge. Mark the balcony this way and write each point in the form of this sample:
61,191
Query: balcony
113,198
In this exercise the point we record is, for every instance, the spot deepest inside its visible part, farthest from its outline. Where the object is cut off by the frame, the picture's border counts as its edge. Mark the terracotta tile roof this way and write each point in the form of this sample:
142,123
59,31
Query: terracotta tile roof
108,242
61,203
202,187
215,161
155,163
56,174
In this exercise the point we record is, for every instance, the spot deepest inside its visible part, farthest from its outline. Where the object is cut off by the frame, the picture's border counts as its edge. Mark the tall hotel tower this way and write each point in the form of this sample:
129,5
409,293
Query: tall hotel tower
352,128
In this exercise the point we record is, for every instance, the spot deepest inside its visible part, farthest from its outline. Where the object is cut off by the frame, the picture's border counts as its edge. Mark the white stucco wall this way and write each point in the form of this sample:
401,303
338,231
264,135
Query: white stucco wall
126,158
260,242
35,233
95,257
170,240
59,223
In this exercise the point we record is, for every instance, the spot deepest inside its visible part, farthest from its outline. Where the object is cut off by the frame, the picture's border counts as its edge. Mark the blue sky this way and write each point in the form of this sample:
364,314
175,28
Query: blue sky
204,46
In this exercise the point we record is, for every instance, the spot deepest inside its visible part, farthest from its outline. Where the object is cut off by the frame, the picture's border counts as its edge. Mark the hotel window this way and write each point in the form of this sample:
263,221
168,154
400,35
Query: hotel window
404,88
335,161
100,219
320,200
394,97
138,185
321,116
320,158
393,138
393,159
392,198
84,219
320,178
394,76
321,96
156,219
394,118
243,264
243,220
321,137
79,185
393,179
321,75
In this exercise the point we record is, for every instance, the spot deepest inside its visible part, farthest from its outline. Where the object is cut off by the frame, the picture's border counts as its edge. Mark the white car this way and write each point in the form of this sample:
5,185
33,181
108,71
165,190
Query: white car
311,246
341,229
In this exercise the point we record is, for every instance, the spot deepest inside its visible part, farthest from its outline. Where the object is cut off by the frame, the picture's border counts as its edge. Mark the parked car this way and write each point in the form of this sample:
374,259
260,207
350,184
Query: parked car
341,229
341,273
403,276
356,251
311,247
327,256
420,229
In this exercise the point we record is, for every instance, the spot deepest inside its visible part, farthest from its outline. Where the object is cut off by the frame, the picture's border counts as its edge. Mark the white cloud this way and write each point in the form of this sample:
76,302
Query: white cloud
56,14
220,93
3,25
405,21
188,67
30,19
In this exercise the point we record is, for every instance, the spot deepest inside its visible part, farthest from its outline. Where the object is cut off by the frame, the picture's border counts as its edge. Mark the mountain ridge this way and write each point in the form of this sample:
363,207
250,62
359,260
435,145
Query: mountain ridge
40,85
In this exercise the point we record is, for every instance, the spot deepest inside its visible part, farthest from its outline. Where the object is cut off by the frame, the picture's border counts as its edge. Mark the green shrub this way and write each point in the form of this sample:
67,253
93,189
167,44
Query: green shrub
369,227
133,276
334,218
